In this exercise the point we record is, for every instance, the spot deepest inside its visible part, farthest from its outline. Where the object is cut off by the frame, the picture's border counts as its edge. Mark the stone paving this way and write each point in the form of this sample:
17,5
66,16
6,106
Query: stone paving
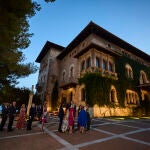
105,134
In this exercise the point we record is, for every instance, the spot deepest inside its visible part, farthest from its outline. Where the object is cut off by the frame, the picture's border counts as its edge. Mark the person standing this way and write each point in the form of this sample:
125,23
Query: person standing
22,118
78,111
64,126
45,111
82,119
89,117
39,111
61,116
11,115
71,118
32,114
4,115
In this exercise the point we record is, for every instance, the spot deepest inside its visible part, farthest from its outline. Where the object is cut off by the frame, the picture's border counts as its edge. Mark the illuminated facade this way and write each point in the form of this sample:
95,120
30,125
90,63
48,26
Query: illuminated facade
93,50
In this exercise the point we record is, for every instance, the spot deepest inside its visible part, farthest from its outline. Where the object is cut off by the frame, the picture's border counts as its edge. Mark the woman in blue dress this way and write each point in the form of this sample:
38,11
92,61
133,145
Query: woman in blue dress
82,119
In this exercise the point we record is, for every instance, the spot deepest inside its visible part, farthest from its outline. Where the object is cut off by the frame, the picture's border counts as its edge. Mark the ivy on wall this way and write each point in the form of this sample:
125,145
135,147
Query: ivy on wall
128,83
97,88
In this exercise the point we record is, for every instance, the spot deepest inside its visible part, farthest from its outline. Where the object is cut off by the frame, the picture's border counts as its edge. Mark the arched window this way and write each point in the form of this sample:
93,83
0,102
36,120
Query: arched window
88,62
132,97
97,63
143,77
129,72
82,65
82,94
71,71
113,95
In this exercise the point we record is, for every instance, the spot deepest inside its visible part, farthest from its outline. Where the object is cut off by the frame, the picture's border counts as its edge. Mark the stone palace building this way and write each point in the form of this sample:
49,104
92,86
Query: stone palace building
95,50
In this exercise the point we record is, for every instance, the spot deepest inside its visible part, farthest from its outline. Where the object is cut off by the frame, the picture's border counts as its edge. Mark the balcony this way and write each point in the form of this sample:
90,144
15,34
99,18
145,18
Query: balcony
144,86
103,73
71,82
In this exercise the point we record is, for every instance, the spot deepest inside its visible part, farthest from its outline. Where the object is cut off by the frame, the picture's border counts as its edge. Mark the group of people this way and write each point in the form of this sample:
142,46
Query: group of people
23,121
8,111
67,118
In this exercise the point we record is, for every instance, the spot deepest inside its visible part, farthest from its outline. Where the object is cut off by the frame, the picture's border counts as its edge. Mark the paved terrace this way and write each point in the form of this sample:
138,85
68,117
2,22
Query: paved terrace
105,134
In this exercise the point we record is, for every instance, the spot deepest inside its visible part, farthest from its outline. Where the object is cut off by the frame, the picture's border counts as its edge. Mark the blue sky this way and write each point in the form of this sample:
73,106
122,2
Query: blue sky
60,22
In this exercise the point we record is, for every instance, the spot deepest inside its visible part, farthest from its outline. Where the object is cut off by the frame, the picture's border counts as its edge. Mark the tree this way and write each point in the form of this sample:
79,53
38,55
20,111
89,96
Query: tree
36,99
14,37
20,95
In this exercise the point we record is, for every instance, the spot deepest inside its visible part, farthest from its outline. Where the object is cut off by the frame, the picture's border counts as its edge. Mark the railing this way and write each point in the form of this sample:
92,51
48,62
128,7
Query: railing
101,71
70,80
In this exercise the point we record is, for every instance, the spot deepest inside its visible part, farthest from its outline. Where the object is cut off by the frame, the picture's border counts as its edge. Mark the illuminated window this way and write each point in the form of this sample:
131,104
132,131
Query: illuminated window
132,97
129,72
113,95
143,77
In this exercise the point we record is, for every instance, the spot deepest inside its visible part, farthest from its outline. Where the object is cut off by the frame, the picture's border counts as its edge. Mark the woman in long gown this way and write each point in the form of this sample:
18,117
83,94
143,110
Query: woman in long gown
22,118
71,118
82,119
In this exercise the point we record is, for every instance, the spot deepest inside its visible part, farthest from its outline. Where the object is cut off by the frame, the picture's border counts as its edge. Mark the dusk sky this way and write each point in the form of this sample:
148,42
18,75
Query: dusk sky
60,22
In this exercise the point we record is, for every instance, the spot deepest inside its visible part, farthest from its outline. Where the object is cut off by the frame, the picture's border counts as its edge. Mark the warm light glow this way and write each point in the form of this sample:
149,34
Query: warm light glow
49,108
134,118
71,89
106,111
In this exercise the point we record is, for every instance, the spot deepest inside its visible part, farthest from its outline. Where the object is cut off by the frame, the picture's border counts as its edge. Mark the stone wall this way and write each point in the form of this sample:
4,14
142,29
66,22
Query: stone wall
106,111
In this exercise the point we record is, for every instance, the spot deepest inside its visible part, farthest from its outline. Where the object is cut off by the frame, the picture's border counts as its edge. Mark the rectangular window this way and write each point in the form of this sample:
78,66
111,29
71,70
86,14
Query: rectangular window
97,62
88,62
104,64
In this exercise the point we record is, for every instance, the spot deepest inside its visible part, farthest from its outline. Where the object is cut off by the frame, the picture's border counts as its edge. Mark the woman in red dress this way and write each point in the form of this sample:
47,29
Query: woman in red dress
71,118
22,118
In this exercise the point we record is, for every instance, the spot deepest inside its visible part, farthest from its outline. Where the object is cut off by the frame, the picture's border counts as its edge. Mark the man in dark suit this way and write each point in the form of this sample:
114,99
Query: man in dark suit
61,116
32,114
4,115
11,115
